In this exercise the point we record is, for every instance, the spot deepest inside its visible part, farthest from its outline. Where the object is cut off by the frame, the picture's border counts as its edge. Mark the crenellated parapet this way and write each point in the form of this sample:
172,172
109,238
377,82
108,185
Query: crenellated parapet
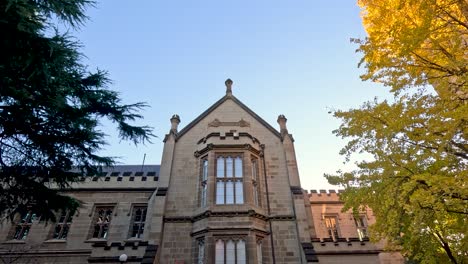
324,196
118,177
338,231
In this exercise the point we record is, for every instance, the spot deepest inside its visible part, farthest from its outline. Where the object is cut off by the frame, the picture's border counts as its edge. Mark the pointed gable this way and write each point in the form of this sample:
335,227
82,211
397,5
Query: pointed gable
228,96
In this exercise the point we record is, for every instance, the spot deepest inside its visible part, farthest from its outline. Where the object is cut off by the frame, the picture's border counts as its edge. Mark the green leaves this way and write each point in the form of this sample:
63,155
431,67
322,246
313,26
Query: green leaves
50,106
416,181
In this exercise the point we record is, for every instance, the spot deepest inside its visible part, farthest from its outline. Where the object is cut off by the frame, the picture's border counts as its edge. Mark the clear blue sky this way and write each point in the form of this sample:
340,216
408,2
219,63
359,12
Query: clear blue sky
285,57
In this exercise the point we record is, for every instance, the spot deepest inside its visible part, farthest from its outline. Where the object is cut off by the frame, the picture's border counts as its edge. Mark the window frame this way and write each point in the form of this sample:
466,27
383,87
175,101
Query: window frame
259,250
333,232
361,227
237,252
62,224
24,225
255,177
233,177
203,182
95,222
201,250
141,223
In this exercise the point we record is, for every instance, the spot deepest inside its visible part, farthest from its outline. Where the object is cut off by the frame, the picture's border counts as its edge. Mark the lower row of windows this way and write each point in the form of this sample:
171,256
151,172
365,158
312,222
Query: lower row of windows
228,251
99,229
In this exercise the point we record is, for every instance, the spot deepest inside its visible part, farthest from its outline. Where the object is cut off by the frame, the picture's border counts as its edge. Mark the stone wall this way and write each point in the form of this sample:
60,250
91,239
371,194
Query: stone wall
79,246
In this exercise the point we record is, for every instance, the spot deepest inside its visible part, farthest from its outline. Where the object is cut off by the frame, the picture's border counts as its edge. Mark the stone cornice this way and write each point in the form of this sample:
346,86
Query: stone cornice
237,230
209,213
209,147
228,134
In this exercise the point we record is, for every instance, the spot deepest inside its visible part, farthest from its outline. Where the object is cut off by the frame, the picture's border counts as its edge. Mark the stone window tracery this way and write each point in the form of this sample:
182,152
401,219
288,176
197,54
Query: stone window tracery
255,182
203,182
229,179
138,221
23,227
230,251
63,225
101,222
259,251
201,251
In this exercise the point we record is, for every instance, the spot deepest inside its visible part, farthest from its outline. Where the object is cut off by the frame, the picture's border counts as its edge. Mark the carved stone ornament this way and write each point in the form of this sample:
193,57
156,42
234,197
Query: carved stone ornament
243,123
217,123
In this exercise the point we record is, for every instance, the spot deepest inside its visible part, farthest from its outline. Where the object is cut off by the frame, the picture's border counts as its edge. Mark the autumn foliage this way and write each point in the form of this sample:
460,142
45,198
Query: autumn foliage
416,180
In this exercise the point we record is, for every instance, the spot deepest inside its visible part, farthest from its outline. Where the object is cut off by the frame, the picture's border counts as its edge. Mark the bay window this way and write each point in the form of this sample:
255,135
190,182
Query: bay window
229,179
230,251
255,182
203,182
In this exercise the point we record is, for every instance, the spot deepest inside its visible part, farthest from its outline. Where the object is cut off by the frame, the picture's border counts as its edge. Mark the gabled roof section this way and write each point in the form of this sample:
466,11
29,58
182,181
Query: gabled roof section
217,104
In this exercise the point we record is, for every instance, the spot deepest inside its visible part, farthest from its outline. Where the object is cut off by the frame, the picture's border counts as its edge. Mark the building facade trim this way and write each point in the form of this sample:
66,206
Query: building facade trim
216,105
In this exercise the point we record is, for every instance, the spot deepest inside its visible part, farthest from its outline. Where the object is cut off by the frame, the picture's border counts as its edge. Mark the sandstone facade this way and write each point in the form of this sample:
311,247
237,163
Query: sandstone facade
227,191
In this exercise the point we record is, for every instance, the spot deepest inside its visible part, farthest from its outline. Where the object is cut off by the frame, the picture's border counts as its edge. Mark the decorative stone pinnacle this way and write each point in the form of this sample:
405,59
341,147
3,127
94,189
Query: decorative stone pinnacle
175,120
282,122
228,84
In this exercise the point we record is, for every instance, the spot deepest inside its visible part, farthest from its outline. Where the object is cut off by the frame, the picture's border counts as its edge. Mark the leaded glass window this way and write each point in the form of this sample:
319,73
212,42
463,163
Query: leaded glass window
102,221
138,221
229,179
230,251
63,225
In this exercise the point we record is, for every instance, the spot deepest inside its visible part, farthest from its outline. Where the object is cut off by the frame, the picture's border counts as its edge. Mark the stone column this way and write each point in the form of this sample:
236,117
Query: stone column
156,205
289,151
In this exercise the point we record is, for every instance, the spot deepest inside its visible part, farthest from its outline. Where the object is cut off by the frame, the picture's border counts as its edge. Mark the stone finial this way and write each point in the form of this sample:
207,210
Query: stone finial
282,122
228,84
175,120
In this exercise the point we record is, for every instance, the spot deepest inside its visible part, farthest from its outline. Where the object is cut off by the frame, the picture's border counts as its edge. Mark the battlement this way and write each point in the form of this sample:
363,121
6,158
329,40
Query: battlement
324,195
121,176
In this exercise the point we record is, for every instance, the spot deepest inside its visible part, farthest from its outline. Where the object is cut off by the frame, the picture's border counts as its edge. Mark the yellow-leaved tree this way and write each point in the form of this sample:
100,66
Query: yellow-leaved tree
416,182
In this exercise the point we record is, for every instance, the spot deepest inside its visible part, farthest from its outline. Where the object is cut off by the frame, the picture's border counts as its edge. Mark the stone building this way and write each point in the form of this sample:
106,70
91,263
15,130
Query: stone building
227,191
342,235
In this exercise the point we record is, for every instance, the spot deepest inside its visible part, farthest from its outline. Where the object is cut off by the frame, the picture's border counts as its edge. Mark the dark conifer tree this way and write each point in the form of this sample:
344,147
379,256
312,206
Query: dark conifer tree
50,107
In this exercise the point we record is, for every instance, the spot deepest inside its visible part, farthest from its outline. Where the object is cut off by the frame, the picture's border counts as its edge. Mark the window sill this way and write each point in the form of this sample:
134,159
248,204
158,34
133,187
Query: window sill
56,241
15,241
133,239
96,240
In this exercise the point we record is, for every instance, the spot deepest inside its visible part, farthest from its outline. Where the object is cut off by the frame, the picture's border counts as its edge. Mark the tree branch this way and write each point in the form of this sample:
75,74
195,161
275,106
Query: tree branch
446,247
